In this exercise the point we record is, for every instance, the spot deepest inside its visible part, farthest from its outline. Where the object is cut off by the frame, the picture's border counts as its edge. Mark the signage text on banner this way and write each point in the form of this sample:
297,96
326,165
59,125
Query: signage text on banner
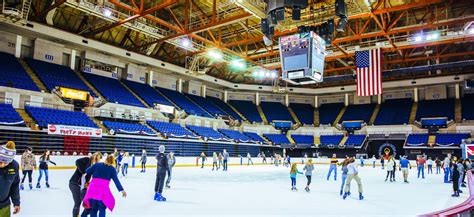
74,130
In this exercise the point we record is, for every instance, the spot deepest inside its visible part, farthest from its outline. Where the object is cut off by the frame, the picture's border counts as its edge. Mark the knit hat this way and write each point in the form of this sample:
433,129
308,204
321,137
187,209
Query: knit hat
7,152
161,149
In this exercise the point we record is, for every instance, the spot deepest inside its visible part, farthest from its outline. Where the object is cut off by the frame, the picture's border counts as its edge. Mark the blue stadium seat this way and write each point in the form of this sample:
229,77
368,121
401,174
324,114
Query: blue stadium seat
207,105
435,108
417,139
247,109
355,140
394,112
171,129
254,136
13,74
304,112
45,116
277,138
224,107
275,111
467,105
128,128
447,139
235,135
303,139
8,115
329,112
361,112
184,103
207,132
147,93
327,140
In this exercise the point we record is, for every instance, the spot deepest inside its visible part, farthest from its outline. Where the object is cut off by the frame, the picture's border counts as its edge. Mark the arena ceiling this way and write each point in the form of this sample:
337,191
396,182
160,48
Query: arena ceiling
179,31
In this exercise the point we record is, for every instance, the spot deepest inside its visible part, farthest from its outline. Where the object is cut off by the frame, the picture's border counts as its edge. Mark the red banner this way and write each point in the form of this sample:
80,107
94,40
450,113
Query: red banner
74,131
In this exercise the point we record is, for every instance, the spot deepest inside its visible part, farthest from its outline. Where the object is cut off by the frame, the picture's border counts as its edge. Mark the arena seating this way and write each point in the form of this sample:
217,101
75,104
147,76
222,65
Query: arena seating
184,103
417,139
394,111
254,136
304,112
171,129
248,109
224,107
13,74
8,115
447,139
206,104
128,128
467,105
358,112
207,132
355,140
435,108
235,135
147,93
329,112
303,139
53,75
277,138
327,140
275,111
113,90
45,116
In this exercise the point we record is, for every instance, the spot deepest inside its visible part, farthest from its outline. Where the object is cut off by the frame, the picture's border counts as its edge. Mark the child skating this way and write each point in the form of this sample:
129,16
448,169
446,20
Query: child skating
293,172
308,168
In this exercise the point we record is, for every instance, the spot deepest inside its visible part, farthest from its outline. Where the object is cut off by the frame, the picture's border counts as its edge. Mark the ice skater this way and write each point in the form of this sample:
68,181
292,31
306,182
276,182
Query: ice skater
171,163
44,168
447,169
390,169
438,165
161,170
219,159
79,181
333,167
344,171
352,173
264,158
288,161
249,159
214,161
382,161
203,159
225,155
430,163
461,174
293,172
99,196
308,168
28,164
373,161
405,167
420,162
143,161
455,178
125,163
9,180
361,161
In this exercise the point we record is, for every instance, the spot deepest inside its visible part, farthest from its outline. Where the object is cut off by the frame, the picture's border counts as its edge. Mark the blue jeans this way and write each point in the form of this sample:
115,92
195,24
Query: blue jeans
332,167
97,207
438,169
430,169
373,164
125,169
46,176
421,169
344,176
447,175
293,182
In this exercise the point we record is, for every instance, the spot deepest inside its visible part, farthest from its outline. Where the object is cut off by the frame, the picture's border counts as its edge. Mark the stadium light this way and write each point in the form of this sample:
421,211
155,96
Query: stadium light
215,54
471,31
418,38
107,12
238,64
185,42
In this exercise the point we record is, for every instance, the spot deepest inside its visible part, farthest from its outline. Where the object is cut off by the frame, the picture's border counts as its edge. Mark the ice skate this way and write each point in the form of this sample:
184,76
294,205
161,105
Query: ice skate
22,187
38,185
47,184
31,186
361,197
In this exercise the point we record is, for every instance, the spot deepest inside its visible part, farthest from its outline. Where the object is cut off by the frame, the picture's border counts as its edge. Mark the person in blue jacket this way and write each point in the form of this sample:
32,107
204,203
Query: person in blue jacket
9,180
405,167
293,172
161,170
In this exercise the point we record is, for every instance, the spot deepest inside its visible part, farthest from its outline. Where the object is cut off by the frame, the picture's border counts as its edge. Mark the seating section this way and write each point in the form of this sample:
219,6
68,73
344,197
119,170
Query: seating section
147,93
275,111
207,105
113,90
207,132
446,139
358,112
304,112
254,136
329,112
417,139
128,128
224,107
435,108
13,74
355,140
45,116
8,115
235,135
171,129
184,103
247,109
303,139
467,105
277,138
394,111
327,140
52,75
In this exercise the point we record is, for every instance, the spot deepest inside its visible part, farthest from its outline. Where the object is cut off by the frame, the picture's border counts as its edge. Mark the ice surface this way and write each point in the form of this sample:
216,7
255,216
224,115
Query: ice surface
253,191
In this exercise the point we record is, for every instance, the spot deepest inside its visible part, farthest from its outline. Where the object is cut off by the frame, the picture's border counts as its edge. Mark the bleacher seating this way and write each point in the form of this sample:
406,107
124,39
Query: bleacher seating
235,135
45,116
254,136
394,112
13,74
417,139
207,105
128,128
358,112
247,109
304,112
224,107
467,105
53,75
184,103
171,129
303,139
329,112
275,111
147,93
8,115
277,138
113,90
355,140
207,132
435,108
327,140
447,139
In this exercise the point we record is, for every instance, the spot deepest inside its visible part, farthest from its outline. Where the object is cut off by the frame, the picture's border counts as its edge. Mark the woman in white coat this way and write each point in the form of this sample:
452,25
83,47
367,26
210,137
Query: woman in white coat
390,165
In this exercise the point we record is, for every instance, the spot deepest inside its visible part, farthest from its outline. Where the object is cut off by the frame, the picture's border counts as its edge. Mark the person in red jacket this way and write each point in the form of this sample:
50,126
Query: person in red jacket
420,162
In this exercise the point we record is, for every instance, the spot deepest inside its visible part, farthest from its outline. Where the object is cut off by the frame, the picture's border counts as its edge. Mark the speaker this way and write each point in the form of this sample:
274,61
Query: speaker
280,14
330,27
264,26
296,13
341,8
342,25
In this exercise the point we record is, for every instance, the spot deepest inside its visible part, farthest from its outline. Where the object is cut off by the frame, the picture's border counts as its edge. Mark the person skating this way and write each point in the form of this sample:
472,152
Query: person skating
420,162
249,159
353,173
203,159
361,158
438,165
382,161
171,163
225,155
390,167
9,180
161,170
214,161
461,173
332,167
308,168
344,171
373,161
405,167
125,163
264,158
143,161
219,159
447,169
293,172
99,196
118,160
455,178
430,163
44,168
28,164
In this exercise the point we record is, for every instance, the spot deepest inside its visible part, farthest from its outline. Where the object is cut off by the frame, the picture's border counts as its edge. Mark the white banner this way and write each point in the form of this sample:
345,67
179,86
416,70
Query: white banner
74,131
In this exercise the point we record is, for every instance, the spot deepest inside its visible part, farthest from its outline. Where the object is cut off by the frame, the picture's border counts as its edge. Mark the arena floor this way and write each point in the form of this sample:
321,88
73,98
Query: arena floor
253,191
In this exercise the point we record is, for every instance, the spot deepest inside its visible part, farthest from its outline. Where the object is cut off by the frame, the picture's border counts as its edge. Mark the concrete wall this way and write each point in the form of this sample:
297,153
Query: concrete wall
48,51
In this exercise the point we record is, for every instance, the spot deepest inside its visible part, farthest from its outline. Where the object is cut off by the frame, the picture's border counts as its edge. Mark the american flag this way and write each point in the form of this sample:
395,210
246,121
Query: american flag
369,72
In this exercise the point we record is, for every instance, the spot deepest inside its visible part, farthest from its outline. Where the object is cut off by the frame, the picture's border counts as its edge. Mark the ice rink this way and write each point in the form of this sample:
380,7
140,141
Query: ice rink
253,191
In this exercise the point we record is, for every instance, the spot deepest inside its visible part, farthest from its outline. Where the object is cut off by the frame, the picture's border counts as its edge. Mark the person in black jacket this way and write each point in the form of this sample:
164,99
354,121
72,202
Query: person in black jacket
161,170
455,177
9,180
77,187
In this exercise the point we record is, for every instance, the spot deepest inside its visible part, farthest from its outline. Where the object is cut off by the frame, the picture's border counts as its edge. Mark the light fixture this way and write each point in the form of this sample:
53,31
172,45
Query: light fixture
107,12
435,35
215,54
471,31
238,63
185,42
418,38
